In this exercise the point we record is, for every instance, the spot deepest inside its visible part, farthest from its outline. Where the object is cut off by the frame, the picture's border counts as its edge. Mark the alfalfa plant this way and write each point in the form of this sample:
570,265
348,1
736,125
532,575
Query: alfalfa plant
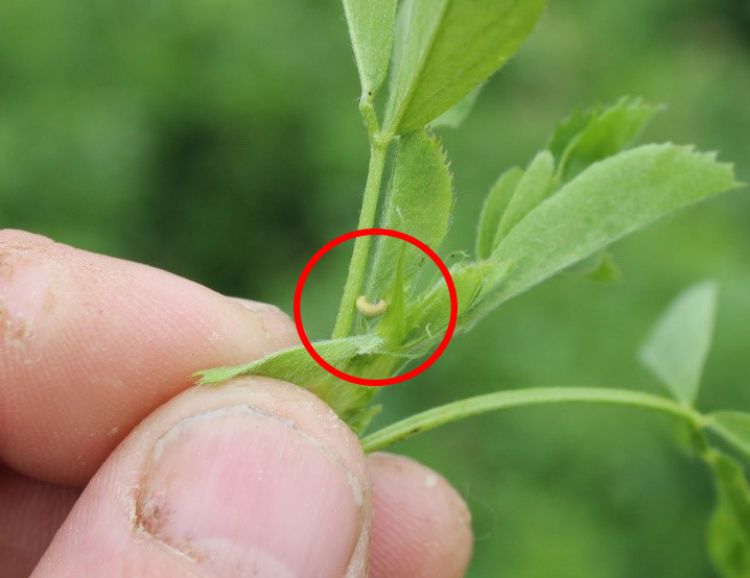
586,189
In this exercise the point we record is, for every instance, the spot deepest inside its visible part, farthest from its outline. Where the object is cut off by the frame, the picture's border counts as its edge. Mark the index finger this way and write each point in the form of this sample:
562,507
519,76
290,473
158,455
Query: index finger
89,345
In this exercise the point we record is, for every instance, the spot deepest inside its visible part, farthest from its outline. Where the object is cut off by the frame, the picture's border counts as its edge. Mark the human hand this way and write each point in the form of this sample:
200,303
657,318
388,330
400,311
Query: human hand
258,478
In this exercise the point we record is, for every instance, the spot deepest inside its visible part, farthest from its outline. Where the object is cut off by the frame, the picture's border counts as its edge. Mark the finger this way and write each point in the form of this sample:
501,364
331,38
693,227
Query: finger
256,479
89,345
30,514
421,526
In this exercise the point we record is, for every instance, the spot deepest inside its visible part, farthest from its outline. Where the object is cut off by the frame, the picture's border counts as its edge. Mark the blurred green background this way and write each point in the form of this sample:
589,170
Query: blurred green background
219,139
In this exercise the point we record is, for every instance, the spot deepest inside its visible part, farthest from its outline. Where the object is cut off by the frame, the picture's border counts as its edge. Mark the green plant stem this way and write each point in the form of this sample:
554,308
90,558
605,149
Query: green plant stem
358,264
457,410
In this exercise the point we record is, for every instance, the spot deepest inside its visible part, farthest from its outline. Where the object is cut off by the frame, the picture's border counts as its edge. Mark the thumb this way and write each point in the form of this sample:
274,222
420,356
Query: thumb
259,478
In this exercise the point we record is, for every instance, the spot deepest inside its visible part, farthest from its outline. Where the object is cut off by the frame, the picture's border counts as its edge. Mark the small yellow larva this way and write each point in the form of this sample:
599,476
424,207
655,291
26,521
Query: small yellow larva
371,309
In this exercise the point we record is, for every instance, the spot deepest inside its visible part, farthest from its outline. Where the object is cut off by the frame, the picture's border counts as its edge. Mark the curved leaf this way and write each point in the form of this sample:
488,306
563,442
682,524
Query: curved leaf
537,183
609,200
600,132
296,366
729,530
678,345
419,203
733,427
493,209
371,28
446,48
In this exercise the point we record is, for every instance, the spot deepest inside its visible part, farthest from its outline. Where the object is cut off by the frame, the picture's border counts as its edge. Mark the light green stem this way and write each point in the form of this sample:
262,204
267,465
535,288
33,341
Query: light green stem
457,410
358,264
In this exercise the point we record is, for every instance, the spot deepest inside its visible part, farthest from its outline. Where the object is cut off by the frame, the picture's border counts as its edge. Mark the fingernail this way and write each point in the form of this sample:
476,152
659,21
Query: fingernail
245,493
268,316
257,306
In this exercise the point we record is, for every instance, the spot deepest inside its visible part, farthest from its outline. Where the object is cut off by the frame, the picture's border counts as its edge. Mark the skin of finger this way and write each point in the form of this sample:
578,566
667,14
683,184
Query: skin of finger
106,529
421,525
89,345
30,513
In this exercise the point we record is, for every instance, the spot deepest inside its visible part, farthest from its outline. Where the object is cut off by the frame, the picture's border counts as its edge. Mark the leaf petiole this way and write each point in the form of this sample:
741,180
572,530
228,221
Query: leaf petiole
458,410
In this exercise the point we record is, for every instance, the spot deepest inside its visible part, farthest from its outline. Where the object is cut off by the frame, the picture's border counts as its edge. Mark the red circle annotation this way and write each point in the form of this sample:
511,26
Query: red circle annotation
452,319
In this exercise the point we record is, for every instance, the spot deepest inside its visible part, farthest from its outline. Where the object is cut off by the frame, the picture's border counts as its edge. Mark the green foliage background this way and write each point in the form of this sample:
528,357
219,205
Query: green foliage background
221,140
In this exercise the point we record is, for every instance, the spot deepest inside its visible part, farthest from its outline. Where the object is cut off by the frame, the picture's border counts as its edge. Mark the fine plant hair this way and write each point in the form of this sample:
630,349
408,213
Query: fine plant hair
421,66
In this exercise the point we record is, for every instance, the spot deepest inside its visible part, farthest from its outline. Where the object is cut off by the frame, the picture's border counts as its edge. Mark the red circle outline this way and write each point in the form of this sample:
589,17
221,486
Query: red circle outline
386,233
